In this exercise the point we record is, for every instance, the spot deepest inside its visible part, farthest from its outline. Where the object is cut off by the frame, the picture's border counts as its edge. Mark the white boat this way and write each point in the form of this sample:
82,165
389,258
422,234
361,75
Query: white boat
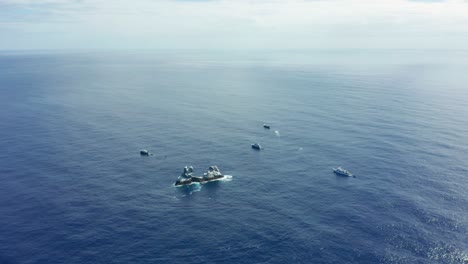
212,172
342,172
188,170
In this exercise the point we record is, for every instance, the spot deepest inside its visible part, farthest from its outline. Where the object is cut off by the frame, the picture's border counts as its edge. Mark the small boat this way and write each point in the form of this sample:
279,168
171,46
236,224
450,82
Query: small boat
256,146
342,172
145,152
266,126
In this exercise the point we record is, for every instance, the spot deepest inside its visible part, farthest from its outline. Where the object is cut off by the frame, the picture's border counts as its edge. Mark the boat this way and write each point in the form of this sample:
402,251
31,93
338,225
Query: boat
342,172
266,126
212,174
187,173
256,146
145,152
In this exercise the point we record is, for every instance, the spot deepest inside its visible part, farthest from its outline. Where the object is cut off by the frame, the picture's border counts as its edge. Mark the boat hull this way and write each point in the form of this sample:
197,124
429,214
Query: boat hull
192,180
343,174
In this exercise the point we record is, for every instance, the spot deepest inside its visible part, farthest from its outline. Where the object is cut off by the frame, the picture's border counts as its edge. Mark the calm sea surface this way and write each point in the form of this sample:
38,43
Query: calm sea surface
74,188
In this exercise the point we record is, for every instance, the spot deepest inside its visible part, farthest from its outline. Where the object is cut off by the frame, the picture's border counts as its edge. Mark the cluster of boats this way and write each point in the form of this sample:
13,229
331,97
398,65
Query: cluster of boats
256,145
213,173
186,178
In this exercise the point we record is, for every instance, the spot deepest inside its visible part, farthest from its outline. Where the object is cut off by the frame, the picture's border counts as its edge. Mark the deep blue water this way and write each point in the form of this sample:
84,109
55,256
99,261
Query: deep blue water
75,190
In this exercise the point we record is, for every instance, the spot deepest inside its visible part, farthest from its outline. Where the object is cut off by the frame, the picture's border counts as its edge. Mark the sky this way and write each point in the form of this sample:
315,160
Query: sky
233,24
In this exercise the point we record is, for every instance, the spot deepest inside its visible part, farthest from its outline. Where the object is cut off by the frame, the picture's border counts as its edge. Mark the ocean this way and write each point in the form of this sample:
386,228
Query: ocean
74,188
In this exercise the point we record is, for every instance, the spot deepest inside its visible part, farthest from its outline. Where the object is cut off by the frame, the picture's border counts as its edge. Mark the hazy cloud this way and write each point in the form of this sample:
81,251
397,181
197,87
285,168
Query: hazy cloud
232,24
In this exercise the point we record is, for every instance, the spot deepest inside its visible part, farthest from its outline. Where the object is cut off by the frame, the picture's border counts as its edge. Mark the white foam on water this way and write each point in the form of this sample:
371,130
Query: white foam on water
189,184
226,178
195,188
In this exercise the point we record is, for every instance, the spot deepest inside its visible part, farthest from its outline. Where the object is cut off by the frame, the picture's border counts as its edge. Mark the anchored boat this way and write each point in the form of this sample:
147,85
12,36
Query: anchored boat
212,174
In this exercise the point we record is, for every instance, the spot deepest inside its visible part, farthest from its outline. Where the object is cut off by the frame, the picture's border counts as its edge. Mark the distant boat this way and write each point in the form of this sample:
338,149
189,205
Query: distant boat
266,126
342,172
145,152
256,146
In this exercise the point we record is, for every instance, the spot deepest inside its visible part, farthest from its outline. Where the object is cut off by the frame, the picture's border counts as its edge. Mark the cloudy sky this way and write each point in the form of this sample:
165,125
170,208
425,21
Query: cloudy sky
233,24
